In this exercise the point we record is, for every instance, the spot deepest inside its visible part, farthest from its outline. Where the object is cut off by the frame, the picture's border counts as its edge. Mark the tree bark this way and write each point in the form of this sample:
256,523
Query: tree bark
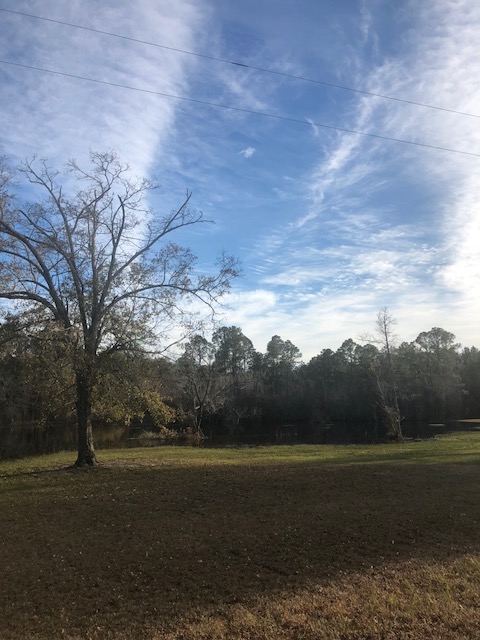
86,451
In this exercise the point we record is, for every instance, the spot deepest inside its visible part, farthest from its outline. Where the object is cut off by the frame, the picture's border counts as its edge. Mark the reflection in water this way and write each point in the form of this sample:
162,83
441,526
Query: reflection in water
30,439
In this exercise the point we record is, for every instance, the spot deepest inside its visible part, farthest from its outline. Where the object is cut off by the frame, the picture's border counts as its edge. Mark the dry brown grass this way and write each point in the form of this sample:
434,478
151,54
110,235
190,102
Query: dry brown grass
295,543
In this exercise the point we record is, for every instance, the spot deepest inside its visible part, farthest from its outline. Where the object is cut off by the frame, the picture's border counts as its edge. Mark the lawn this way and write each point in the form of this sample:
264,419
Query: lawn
311,542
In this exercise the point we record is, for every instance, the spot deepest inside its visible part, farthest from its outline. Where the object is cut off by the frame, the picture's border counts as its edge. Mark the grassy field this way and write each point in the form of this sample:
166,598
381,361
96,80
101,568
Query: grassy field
311,542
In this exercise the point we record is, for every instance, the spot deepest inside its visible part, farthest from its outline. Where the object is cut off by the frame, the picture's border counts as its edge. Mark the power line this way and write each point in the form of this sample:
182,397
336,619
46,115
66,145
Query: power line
240,109
246,66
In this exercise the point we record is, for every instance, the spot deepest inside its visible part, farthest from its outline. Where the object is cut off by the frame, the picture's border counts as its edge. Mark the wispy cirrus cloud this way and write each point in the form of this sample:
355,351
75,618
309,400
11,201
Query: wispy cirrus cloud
368,235
61,117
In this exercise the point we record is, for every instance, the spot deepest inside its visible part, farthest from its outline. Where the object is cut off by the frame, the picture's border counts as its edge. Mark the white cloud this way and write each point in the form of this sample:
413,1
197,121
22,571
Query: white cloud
315,321
247,152
60,118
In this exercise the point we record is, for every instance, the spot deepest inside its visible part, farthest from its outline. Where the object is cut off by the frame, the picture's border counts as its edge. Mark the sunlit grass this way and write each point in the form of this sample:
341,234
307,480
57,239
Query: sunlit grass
457,447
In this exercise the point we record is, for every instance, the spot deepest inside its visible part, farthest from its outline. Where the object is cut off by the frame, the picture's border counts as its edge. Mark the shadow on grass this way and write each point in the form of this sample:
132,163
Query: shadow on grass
122,547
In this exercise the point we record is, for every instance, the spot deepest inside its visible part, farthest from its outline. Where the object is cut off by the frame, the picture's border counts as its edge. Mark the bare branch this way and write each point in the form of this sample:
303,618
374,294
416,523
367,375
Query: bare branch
97,258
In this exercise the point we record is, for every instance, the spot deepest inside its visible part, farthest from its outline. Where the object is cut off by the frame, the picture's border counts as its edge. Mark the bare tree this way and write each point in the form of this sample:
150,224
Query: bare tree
385,374
101,264
198,375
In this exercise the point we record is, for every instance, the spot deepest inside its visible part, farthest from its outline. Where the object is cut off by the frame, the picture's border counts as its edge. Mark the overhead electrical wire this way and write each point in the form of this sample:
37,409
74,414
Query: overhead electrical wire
241,64
241,109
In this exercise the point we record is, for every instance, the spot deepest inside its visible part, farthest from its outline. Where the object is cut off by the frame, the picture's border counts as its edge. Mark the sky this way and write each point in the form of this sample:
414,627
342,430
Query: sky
329,226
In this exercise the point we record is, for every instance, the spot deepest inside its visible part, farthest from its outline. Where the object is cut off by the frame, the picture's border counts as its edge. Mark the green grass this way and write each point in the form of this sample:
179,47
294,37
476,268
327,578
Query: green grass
456,447
323,542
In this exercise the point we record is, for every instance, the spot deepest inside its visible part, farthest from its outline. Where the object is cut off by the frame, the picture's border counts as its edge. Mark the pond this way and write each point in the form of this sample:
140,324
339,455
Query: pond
32,439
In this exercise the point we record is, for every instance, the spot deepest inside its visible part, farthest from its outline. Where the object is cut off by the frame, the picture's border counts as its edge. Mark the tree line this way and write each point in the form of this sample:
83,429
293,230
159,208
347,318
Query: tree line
224,389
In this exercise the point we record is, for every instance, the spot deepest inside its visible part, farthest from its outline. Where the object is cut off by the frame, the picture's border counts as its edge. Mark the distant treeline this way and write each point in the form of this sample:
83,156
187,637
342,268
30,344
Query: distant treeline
224,389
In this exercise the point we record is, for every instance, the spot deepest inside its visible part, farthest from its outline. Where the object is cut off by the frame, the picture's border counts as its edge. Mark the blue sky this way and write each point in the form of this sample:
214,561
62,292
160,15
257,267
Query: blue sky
329,226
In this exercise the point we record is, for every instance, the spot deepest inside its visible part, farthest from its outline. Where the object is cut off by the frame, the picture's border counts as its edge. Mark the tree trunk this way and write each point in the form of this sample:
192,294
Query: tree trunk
388,401
86,451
